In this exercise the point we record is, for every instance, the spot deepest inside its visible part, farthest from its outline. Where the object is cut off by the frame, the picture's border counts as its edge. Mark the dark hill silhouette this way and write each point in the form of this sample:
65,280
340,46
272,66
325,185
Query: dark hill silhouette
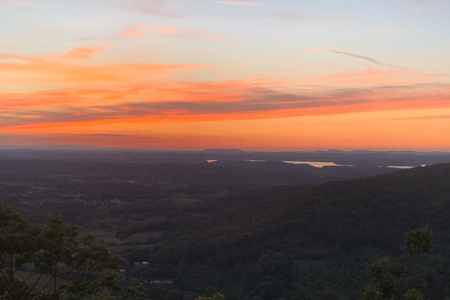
343,213
323,233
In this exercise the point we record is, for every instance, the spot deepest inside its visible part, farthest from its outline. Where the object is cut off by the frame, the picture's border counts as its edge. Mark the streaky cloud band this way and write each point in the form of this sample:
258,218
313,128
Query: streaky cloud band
354,55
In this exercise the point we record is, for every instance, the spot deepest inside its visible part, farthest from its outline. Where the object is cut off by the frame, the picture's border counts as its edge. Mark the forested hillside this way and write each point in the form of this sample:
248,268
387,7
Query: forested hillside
304,242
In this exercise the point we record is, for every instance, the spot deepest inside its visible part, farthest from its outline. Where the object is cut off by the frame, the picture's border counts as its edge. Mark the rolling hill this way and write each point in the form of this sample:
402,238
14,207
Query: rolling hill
310,242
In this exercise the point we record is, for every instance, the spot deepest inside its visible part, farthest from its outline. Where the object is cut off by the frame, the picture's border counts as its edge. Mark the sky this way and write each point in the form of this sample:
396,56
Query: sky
255,75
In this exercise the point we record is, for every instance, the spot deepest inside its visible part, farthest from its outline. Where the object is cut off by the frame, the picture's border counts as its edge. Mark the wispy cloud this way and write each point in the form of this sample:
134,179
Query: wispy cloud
427,117
105,101
42,71
423,4
155,8
178,102
241,3
186,33
299,14
350,54
134,31
83,52
173,32
374,76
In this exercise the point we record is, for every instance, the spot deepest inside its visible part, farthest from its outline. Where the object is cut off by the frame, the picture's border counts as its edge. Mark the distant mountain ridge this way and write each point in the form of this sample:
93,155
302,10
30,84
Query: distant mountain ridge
355,157
220,150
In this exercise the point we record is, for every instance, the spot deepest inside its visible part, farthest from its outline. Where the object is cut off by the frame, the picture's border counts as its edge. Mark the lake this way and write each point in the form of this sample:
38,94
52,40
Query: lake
316,164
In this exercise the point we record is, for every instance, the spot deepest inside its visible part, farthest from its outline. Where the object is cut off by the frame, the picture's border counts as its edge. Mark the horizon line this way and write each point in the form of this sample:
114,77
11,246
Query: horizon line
232,149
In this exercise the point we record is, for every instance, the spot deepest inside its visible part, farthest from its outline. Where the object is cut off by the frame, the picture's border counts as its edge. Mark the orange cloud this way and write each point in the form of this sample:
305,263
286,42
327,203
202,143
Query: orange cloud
84,52
25,70
20,58
369,130
163,102
132,103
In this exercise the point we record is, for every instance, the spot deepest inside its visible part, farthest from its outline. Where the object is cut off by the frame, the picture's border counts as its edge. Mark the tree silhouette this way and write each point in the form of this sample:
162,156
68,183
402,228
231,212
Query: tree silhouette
217,296
52,261
391,280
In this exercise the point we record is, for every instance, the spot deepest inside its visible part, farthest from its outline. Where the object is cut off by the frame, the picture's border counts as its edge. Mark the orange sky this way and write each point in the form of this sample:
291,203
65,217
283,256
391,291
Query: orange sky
166,81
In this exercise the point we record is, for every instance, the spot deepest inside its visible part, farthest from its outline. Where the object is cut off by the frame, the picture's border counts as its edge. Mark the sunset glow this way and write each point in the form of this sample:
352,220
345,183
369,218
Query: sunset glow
256,75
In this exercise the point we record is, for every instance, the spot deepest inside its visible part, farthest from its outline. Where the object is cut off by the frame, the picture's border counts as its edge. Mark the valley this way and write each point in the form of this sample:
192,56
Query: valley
261,229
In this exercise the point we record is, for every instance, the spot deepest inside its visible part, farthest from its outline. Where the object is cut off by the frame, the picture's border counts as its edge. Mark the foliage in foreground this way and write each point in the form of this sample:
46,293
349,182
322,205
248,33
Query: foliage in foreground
217,296
395,280
52,261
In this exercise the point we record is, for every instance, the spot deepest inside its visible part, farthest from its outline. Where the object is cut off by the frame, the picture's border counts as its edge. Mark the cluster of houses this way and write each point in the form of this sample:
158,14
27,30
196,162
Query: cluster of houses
159,281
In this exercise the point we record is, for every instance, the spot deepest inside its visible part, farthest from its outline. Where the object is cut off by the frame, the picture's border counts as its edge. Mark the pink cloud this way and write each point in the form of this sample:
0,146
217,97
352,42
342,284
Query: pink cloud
135,31
423,4
156,8
373,77
165,29
241,3
185,33
315,49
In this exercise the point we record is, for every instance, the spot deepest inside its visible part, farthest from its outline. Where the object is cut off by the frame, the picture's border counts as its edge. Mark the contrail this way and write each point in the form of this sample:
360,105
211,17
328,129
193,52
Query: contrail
354,55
